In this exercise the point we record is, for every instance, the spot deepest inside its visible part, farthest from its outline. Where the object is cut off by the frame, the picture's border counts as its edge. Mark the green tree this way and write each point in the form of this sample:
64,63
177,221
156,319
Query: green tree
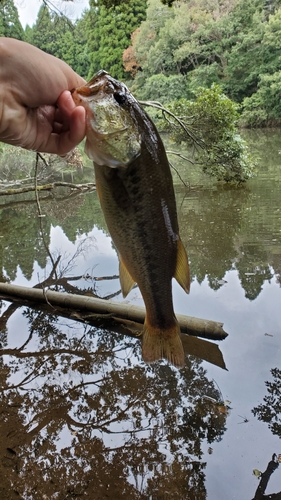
162,88
2,30
150,34
109,34
10,25
28,34
210,124
42,32
244,55
53,34
81,55
64,47
231,43
262,108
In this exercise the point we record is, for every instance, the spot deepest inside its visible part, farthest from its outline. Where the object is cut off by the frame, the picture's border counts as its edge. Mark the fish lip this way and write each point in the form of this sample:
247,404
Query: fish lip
100,82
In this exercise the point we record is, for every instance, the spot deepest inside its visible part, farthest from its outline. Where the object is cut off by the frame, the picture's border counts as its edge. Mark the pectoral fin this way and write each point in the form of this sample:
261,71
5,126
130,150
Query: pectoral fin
126,279
182,268
90,150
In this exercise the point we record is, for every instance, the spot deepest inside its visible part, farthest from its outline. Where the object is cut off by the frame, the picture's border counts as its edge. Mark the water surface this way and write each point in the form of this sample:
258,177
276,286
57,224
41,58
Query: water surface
82,416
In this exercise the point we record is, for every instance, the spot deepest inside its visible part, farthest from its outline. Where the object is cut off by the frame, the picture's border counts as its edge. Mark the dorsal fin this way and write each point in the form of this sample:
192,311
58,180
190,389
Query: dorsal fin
182,268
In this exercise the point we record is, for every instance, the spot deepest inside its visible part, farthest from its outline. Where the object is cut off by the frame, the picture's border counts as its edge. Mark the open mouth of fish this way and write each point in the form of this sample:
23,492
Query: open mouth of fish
103,83
113,136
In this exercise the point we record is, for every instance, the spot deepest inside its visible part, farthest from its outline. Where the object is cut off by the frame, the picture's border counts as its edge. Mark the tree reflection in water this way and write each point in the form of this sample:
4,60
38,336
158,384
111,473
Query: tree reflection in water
82,416
270,410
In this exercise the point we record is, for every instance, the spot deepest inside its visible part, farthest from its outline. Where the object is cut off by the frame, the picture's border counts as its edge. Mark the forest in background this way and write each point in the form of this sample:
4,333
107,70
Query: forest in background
166,53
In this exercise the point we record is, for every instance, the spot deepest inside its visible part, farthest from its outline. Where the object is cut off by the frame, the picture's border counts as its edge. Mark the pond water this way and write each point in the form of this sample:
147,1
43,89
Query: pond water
82,416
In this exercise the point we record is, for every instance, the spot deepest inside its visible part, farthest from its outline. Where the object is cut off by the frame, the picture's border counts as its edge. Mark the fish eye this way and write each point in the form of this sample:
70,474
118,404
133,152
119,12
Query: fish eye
119,97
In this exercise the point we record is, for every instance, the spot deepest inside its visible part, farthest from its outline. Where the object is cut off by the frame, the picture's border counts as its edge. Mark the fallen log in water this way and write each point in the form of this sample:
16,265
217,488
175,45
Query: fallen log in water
46,187
114,310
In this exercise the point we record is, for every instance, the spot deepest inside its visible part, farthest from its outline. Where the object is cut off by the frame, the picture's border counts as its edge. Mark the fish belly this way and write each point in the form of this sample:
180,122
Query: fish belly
140,212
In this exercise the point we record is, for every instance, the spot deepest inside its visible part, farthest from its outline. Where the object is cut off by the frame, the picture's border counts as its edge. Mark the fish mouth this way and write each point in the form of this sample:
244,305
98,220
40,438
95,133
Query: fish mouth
103,83
113,135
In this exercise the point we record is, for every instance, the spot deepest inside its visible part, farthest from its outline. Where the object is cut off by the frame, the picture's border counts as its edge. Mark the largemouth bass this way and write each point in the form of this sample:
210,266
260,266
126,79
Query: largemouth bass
135,189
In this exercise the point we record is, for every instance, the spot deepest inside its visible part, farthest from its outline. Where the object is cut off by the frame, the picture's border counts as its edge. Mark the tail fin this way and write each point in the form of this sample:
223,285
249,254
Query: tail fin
158,344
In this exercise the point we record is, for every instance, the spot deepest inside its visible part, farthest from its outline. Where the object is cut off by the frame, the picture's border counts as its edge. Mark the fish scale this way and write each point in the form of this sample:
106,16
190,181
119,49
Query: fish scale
135,189
136,248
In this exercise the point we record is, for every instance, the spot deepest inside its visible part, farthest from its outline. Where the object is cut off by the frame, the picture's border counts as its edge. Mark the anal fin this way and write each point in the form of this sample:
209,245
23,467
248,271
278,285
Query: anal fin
126,280
182,274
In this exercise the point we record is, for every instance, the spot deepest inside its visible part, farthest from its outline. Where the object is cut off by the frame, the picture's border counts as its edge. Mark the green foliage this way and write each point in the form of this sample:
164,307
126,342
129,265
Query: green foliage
263,108
2,29
52,33
43,34
81,56
175,37
162,88
177,48
57,36
28,34
232,43
112,3
10,25
66,51
210,123
109,32
203,76
209,41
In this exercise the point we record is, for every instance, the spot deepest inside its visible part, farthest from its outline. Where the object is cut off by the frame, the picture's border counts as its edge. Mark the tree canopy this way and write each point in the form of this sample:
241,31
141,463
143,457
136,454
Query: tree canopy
109,30
232,43
10,25
208,124
167,53
170,48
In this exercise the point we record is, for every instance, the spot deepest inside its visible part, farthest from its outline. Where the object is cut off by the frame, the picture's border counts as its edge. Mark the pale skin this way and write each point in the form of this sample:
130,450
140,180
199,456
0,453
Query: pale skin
37,111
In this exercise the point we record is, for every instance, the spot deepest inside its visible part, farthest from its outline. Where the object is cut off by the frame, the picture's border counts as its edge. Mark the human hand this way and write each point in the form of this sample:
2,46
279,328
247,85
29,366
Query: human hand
37,111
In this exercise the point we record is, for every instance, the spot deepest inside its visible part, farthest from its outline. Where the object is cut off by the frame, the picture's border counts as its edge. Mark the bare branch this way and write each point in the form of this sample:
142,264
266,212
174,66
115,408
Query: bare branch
178,174
54,8
165,111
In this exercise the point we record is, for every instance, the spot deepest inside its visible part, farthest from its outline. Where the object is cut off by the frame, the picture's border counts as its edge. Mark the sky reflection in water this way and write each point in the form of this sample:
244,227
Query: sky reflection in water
154,421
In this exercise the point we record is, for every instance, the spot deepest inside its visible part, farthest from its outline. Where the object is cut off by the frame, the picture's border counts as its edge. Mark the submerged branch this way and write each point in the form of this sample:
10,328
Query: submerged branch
179,176
48,187
105,309
38,155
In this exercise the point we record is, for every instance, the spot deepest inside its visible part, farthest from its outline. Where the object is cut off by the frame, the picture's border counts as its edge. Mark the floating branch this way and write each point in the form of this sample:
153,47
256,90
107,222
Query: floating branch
47,187
119,312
